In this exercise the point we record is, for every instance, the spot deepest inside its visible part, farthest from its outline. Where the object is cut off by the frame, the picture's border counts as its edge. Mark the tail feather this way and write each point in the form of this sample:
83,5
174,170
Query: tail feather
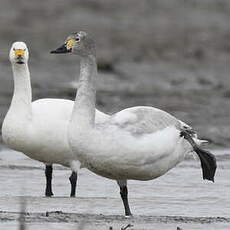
207,159
200,142
208,163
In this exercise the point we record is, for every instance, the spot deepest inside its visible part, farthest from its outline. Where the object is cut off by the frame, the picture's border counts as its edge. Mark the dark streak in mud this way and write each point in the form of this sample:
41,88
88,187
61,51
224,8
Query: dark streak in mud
61,217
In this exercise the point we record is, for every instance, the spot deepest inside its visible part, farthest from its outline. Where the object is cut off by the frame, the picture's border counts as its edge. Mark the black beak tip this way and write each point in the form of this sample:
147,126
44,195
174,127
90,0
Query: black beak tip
19,61
61,50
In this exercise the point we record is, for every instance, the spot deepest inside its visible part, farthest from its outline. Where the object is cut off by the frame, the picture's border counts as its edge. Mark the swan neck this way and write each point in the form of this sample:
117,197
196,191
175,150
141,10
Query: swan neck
84,107
22,96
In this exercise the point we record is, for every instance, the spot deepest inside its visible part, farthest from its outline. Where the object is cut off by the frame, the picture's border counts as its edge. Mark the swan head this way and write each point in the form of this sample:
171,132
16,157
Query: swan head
19,53
79,43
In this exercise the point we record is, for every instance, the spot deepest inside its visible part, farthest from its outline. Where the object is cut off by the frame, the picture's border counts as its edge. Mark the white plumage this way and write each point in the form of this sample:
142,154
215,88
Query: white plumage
140,143
143,147
39,128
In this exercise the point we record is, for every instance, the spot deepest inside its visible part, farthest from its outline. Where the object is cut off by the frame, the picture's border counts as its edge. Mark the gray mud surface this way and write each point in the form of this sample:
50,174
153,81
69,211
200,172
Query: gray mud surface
58,220
178,199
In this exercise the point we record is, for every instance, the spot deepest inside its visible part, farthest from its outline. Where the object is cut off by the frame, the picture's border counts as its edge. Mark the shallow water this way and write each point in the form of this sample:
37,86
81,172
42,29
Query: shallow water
178,198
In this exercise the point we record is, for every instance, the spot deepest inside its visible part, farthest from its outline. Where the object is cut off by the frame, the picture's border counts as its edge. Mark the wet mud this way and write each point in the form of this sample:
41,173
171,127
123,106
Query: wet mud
178,199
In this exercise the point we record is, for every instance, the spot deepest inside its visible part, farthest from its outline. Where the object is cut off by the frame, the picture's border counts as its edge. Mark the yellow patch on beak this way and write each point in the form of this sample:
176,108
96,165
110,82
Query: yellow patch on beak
19,53
70,44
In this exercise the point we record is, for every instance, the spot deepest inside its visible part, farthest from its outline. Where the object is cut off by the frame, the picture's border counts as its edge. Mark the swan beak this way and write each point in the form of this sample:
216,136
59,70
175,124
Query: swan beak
61,50
19,54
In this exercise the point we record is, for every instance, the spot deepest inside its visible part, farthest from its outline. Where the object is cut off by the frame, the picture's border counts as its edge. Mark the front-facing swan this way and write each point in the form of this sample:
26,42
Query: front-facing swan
140,143
39,128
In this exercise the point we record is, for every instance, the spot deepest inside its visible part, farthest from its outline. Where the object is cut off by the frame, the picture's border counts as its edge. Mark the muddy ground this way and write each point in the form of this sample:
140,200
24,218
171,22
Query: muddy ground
178,199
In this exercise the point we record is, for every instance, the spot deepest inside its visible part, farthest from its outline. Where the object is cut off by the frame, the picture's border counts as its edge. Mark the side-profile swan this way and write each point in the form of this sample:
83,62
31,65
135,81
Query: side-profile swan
140,143
39,129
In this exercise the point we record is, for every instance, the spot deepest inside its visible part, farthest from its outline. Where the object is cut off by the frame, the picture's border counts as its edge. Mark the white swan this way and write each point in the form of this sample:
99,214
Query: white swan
39,129
140,143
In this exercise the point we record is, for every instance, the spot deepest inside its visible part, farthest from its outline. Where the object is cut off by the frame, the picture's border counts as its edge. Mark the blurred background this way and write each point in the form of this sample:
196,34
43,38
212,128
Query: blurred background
171,54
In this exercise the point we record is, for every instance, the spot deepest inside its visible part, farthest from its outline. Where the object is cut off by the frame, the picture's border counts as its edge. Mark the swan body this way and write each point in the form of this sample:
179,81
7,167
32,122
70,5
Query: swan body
39,128
43,136
140,143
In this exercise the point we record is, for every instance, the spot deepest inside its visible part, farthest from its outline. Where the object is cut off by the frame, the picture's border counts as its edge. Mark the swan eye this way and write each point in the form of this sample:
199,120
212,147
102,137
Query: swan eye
14,49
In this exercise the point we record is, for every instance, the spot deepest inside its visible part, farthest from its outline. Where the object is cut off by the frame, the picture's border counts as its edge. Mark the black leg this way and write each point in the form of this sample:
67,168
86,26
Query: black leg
48,172
73,182
124,196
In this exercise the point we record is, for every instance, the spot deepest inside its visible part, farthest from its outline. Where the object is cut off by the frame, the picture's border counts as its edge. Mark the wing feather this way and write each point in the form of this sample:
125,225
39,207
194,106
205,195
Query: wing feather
144,120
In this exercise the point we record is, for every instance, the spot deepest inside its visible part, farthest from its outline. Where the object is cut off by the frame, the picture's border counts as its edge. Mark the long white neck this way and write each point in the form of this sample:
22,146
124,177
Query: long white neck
83,115
22,97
